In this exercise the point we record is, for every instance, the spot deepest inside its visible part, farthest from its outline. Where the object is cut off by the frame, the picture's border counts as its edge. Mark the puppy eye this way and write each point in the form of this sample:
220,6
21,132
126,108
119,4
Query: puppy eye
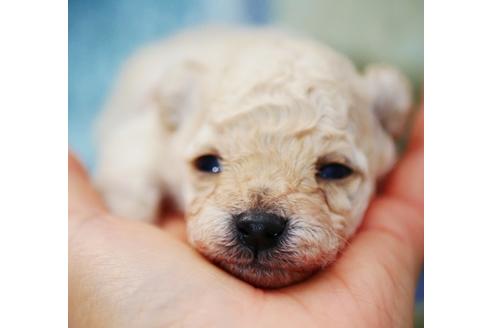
334,171
208,164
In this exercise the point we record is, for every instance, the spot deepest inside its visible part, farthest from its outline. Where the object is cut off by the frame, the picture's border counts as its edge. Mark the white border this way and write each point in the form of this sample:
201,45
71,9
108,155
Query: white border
33,166
458,163
33,140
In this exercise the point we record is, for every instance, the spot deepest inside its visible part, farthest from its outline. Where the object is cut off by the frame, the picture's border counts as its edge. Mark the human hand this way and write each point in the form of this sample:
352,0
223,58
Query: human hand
129,274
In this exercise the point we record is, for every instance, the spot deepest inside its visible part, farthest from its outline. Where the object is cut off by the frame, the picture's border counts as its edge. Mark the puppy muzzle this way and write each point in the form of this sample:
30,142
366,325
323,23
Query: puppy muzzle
259,230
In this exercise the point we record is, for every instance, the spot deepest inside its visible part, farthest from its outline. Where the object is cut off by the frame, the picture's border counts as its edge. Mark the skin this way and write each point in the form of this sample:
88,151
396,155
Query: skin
130,274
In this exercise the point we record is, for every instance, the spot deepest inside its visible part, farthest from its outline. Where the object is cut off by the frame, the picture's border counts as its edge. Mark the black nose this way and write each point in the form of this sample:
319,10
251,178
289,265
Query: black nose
259,230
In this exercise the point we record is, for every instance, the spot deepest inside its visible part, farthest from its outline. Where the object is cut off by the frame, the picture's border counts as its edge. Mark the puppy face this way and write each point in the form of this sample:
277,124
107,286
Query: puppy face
277,184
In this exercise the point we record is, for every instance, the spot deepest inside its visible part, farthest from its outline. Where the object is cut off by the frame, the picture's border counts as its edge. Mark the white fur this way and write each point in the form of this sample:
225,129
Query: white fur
271,105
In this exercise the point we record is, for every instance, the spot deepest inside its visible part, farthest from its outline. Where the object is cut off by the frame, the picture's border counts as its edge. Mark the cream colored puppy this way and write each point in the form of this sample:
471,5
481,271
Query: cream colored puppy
271,144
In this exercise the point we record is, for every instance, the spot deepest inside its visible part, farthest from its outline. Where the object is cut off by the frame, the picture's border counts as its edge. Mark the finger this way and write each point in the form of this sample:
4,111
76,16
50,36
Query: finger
399,211
417,136
406,182
399,227
82,197
403,193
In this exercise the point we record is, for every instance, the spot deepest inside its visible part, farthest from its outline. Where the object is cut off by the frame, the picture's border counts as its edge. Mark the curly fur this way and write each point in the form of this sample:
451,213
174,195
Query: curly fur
272,106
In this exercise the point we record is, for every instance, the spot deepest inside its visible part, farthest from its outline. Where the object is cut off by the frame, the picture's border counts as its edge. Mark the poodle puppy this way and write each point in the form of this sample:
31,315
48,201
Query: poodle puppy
271,144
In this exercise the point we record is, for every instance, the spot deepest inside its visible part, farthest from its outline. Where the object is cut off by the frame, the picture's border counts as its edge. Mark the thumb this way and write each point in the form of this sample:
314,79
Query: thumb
83,200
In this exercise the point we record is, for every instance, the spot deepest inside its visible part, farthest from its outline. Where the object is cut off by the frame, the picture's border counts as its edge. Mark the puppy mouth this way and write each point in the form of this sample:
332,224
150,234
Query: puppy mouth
256,264
268,274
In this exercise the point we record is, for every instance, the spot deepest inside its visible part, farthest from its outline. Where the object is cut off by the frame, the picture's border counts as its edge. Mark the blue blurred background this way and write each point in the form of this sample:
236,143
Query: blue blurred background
102,33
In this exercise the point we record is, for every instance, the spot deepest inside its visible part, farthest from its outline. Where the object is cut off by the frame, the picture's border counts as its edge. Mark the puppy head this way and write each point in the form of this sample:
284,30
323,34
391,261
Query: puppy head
280,177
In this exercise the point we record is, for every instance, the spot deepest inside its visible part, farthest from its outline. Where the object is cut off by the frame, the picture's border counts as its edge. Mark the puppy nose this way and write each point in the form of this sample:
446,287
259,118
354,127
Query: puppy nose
259,230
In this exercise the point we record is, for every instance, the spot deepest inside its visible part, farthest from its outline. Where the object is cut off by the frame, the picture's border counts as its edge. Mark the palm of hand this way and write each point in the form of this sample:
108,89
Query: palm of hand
124,273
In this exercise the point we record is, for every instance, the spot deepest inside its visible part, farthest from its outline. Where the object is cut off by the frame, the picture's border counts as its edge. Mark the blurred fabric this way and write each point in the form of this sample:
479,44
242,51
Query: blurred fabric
103,33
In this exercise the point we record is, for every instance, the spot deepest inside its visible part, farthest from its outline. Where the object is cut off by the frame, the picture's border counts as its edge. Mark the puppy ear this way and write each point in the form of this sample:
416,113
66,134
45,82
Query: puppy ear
391,96
178,93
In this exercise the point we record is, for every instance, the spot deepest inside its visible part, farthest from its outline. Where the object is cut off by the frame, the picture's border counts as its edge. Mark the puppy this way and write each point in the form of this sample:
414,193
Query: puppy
271,144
